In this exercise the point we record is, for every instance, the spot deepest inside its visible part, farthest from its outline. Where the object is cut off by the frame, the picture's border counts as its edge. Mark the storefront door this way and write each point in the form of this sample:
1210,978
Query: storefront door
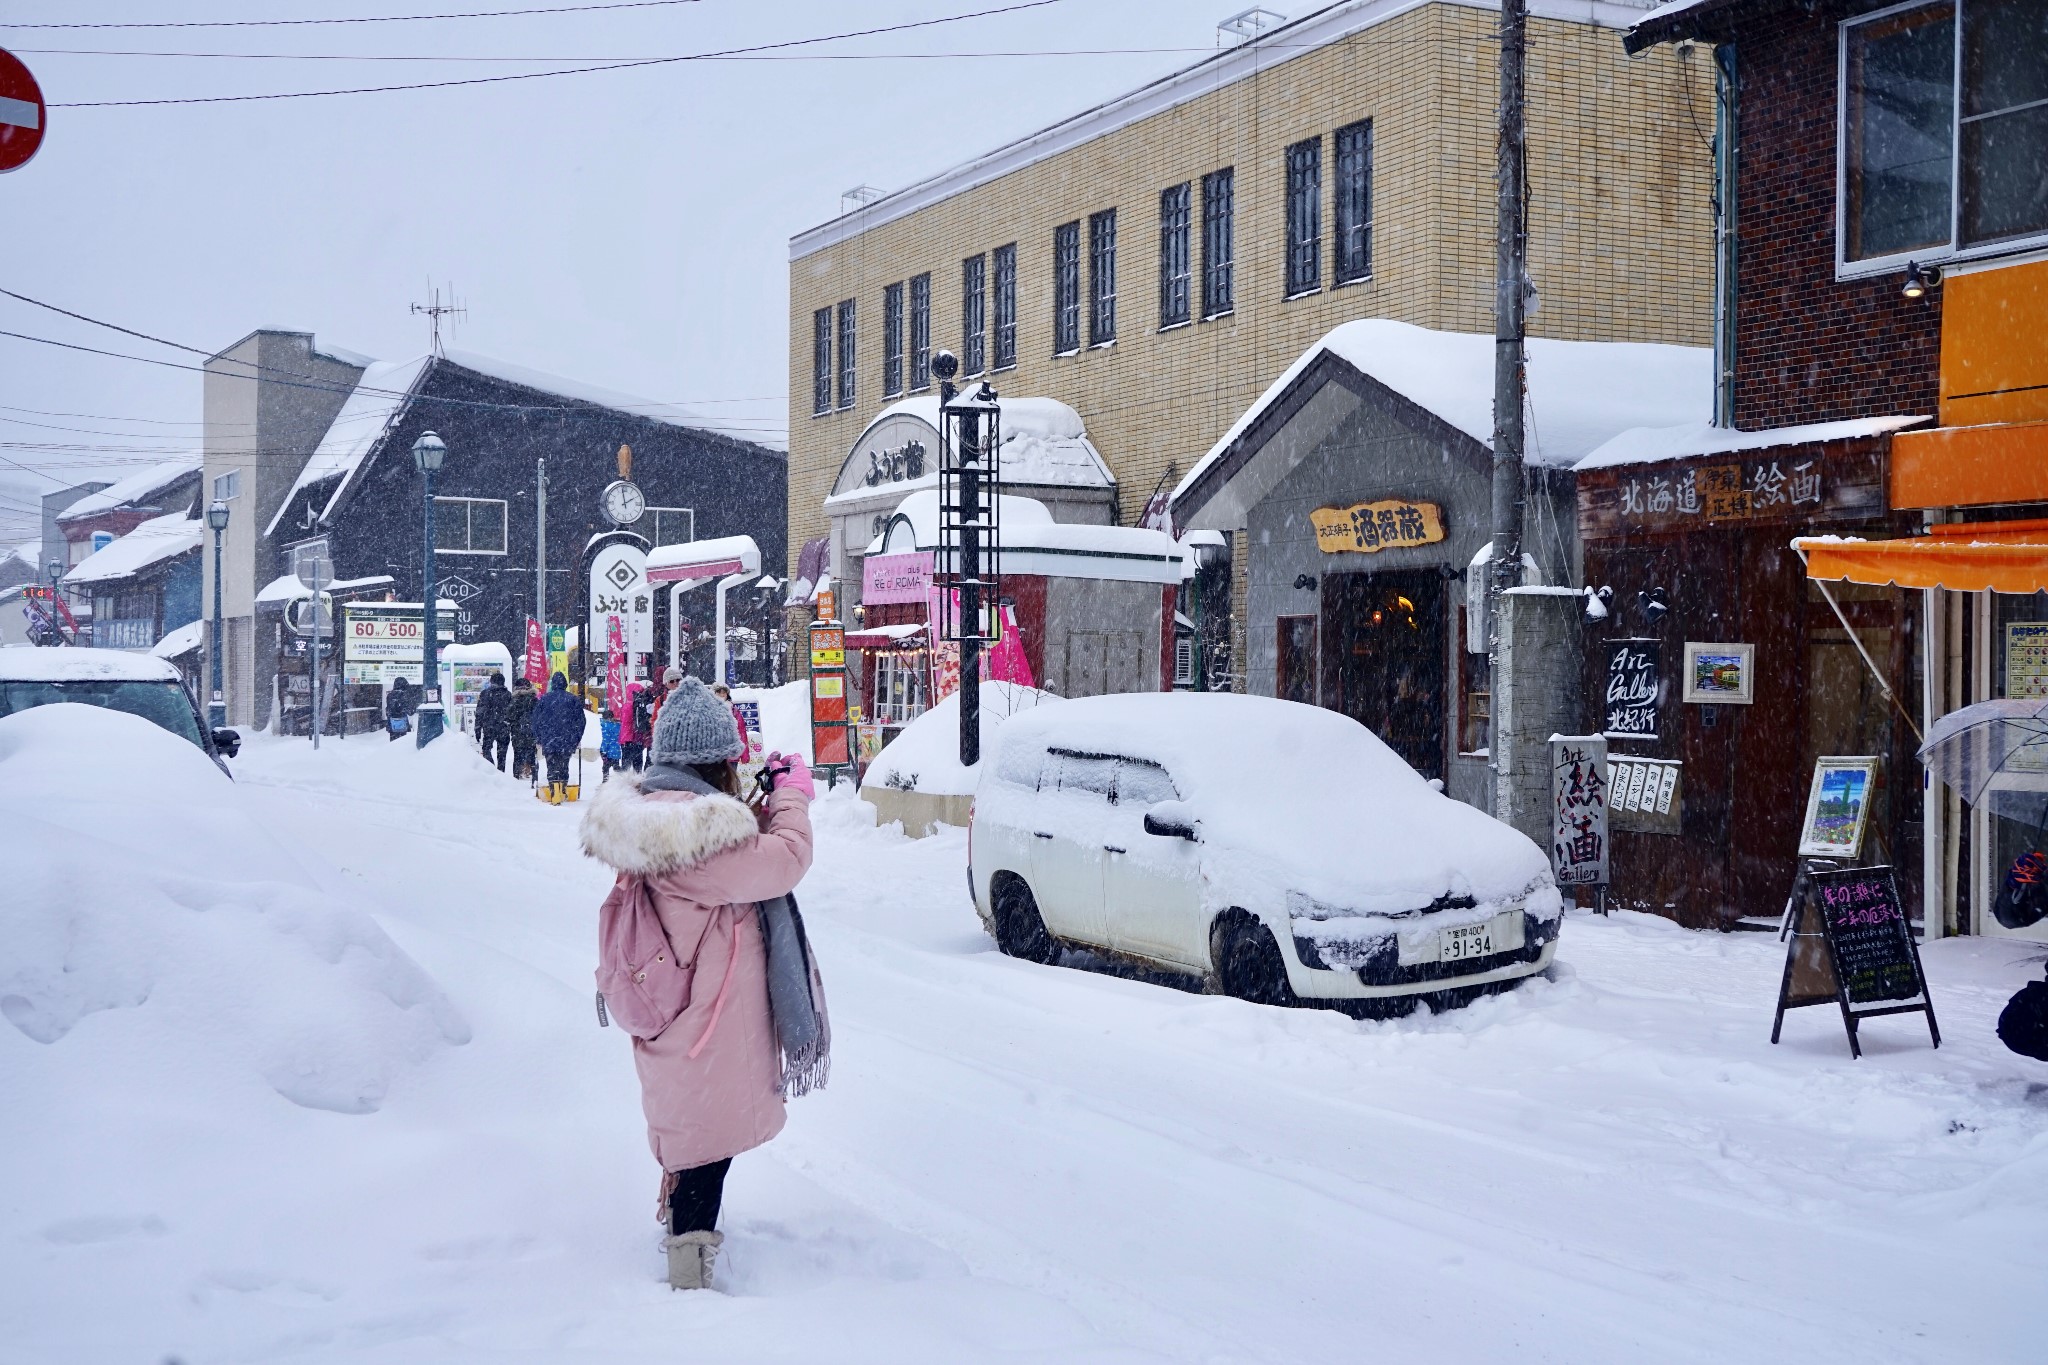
1383,659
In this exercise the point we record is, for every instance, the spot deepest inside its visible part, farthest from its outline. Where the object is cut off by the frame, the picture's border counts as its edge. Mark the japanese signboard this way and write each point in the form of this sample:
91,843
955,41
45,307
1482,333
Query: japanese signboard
534,667
1578,804
1850,946
828,647
1740,490
619,587
2026,659
1371,527
375,632
1643,794
558,651
614,666
1634,686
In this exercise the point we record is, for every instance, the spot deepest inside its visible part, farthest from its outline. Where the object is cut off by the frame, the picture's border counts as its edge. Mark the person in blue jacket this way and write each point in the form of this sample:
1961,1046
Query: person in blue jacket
558,729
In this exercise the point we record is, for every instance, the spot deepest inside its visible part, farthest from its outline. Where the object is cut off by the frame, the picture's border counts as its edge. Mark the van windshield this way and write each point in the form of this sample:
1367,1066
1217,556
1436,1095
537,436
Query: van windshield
160,703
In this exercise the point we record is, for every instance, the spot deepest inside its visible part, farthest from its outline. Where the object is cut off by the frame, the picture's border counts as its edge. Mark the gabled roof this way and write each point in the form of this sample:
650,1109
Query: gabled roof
1580,394
148,545
135,490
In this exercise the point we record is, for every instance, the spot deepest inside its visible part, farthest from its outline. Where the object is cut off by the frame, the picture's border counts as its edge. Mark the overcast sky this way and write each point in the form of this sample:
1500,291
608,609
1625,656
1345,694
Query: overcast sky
629,229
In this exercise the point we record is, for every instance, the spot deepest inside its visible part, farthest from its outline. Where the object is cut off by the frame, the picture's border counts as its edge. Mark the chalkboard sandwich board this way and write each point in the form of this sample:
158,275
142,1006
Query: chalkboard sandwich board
1851,946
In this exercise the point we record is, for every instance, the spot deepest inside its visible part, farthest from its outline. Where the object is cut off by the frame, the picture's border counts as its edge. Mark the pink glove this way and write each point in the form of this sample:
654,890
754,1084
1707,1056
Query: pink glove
790,773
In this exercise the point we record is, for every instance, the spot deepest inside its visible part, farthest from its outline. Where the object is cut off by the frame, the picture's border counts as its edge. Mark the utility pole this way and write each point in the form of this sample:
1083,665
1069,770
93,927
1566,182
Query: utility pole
1510,298
540,544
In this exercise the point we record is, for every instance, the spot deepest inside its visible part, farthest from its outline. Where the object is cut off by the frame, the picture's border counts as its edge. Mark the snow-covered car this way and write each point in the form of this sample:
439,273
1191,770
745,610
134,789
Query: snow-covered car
1281,852
139,684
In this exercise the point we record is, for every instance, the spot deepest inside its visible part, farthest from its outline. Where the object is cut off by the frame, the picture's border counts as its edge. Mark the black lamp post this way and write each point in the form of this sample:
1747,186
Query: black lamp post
427,453
55,569
217,709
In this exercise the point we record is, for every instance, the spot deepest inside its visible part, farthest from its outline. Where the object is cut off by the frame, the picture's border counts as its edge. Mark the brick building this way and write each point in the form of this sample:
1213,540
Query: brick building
1880,268
1156,261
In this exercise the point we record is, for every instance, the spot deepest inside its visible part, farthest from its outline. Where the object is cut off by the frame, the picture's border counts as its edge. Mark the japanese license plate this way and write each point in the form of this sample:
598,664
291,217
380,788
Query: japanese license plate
1466,941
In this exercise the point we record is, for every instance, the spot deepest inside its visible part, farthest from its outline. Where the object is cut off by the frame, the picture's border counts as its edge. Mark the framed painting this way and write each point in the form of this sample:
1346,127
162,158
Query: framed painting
1720,674
1838,806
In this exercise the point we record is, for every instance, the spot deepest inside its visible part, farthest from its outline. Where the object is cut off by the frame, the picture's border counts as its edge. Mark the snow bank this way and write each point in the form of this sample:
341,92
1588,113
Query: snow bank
926,756
157,940
785,716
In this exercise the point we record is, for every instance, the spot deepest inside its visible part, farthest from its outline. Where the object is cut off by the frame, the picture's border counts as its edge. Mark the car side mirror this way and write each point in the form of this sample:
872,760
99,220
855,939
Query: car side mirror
1172,820
229,742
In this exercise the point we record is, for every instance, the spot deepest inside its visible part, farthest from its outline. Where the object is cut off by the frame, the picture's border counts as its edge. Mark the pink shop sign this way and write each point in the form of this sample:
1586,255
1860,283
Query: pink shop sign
886,579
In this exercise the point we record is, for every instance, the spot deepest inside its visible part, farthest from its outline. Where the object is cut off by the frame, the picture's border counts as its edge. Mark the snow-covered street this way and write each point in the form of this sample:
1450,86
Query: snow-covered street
1012,1162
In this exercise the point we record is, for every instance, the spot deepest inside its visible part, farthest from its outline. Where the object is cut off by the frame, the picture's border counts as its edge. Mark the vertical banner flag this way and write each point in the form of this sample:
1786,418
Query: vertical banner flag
535,667
558,651
614,665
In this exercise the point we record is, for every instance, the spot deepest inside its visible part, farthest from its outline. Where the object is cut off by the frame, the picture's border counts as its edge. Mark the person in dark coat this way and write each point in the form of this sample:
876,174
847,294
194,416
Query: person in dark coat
558,728
399,707
519,720
494,720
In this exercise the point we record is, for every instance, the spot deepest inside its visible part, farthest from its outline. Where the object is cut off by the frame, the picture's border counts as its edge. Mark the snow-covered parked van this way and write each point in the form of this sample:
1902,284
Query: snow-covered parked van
1279,851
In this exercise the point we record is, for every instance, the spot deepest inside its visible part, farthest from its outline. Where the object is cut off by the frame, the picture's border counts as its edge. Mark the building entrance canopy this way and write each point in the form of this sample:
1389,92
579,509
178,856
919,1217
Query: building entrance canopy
730,559
2008,557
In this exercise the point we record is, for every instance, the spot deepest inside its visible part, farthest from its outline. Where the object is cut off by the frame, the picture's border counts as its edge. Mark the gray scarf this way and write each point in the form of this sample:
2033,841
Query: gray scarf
796,997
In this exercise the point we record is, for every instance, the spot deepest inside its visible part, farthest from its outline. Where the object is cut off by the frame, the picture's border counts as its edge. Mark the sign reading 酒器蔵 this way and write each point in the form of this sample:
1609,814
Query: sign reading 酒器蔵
1371,527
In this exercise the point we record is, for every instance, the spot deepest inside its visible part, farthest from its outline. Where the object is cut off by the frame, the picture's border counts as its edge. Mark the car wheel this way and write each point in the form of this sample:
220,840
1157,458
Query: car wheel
1249,965
1020,929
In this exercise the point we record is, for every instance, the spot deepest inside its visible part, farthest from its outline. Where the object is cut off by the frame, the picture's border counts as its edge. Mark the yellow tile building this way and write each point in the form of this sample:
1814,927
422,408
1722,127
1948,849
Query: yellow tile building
1620,171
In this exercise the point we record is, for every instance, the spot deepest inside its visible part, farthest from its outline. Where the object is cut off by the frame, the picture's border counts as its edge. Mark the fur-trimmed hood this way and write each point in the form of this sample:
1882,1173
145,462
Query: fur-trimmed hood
646,833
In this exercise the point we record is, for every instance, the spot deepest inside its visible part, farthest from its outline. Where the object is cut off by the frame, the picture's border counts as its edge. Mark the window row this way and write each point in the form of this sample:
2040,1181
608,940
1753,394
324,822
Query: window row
988,325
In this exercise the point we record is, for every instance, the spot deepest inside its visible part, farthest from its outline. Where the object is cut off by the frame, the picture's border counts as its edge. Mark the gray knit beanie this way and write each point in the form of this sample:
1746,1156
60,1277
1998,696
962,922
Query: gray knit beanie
695,727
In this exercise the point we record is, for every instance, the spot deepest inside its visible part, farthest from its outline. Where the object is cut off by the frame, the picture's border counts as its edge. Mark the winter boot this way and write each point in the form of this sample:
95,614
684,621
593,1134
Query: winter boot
689,1258
554,793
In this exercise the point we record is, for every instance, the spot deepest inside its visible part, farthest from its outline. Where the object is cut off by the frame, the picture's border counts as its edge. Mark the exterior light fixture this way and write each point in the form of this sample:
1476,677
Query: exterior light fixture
1920,279
1304,580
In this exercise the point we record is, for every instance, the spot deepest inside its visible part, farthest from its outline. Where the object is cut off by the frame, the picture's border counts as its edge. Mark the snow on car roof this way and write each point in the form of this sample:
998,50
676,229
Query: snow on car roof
1299,797
25,663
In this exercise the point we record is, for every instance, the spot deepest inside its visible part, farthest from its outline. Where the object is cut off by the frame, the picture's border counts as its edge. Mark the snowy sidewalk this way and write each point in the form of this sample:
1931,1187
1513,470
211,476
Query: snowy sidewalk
1031,1164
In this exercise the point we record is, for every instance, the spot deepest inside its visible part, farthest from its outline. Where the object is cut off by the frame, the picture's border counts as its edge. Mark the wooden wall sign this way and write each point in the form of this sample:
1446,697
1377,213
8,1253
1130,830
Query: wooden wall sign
1579,792
1635,685
1814,483
1851,946
1371,527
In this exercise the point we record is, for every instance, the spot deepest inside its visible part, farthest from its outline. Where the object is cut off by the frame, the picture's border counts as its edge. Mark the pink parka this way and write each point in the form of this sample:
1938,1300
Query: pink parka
709,1082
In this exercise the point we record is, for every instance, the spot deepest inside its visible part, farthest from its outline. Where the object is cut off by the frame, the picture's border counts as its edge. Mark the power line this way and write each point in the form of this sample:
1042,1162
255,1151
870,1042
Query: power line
697,57
369,19
570,71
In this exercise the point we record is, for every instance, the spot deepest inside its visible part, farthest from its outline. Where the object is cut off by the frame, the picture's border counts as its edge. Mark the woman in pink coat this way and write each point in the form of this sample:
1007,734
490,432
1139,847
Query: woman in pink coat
713,1082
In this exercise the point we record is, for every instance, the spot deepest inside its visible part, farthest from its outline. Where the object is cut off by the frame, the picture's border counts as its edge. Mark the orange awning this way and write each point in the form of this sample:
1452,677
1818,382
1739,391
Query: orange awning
2004,556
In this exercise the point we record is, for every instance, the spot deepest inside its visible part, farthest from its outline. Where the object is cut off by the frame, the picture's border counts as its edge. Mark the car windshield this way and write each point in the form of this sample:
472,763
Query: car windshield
160,703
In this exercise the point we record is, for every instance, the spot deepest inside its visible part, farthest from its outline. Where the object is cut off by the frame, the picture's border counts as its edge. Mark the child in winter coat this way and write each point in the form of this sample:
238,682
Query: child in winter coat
712,1083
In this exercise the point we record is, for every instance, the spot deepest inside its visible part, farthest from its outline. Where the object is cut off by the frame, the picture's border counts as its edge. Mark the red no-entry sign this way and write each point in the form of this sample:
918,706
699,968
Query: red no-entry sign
22,115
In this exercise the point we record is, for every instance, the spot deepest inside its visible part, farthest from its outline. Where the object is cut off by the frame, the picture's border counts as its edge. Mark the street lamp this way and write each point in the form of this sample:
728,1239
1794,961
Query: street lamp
427,453
767,588
217,709
55,569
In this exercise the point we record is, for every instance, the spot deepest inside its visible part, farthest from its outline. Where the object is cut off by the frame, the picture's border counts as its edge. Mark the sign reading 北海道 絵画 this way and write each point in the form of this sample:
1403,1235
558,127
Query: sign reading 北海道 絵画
1851,945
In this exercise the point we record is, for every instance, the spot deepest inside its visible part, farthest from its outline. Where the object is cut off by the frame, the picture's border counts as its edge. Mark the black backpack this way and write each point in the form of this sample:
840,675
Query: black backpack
643,714
2023,1026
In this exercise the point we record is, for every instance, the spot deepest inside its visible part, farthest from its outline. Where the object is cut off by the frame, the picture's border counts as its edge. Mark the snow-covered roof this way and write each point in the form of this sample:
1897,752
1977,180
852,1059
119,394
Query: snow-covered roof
287,587
1581,393
150,544
1255,58
136,488
1033,543
181,641
1651,445
380,397
1044,442
68,663
1682,18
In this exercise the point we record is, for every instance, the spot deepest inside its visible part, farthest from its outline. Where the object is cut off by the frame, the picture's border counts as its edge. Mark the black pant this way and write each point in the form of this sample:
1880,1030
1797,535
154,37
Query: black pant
558,764
693,1203
522,758
494,749
631,755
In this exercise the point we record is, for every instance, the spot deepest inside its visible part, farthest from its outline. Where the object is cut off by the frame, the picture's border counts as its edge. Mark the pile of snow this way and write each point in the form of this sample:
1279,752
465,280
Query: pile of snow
785,716
160,945
925,757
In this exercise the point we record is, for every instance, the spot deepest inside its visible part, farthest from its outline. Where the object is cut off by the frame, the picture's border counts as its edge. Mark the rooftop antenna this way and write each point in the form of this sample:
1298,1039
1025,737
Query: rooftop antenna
435,310
1246,25
859,197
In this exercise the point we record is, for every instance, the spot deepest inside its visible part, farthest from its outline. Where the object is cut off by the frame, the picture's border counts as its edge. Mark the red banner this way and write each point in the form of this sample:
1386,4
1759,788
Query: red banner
614,665
535,668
